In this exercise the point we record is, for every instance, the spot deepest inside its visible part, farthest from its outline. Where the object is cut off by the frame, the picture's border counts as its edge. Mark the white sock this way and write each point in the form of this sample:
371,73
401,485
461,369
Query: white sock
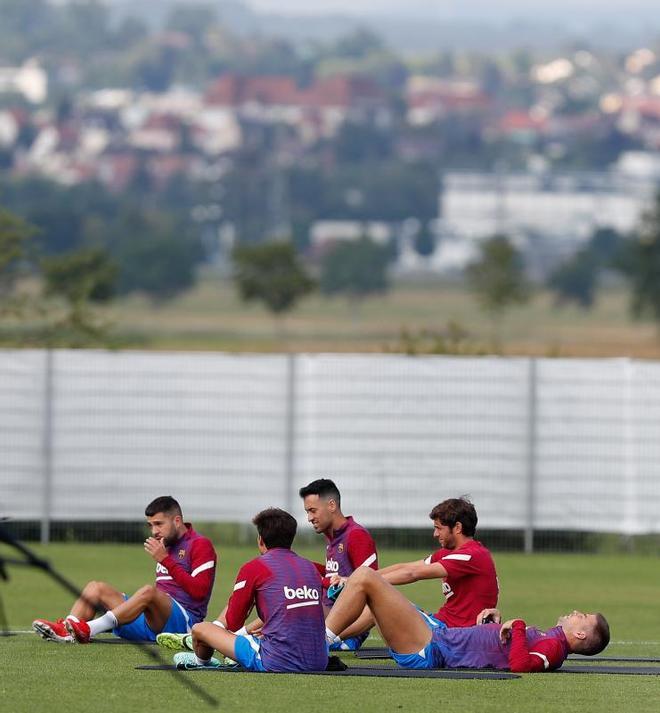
103,623
202,662
331,637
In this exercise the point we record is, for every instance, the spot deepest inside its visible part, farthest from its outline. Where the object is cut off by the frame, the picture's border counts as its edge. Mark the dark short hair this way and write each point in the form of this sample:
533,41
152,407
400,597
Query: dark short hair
166,504
597,640
324,488
454,510
276,527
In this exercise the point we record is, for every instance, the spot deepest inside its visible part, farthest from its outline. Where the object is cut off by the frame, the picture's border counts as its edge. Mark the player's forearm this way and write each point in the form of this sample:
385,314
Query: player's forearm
197,587
398,574
520,660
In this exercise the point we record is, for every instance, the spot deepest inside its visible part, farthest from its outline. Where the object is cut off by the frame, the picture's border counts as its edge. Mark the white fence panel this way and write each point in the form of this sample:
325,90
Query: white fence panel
538,444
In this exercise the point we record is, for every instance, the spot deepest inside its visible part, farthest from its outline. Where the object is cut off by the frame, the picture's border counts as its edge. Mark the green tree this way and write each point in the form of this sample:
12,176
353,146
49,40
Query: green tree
641,264
355,269
155,254
424,240
80,279
272,274
498,279
14,236
575,280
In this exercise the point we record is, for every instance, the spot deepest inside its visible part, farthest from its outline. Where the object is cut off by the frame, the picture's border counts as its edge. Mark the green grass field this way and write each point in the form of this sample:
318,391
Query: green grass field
212,317
39,676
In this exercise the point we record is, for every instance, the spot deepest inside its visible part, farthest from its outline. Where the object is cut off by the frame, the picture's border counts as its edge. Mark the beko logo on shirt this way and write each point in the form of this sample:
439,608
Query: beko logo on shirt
301,593
331,566
160,569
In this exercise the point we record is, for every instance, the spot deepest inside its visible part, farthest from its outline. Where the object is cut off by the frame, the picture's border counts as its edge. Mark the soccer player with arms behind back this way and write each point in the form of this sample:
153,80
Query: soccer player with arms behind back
185,573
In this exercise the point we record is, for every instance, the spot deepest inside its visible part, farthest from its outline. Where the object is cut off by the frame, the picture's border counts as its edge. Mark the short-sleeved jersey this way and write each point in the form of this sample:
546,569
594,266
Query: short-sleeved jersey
528,649
187,573
286,590
350,546
471,583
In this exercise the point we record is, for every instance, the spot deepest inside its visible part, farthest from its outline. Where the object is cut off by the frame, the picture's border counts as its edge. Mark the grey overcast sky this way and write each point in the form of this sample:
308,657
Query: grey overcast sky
472,9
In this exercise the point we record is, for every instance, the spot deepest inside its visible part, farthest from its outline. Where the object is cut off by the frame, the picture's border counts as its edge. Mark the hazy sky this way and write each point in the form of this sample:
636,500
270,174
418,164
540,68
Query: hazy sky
472,9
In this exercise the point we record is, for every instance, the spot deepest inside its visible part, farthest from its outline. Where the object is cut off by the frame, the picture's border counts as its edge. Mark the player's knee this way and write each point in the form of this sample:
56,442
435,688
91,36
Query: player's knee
93,589
364,576
198,630
146,593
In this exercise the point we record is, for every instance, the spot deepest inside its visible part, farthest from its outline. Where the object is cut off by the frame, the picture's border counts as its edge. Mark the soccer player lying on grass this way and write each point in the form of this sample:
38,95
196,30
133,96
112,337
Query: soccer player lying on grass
185,572
286,590
415,643
465,566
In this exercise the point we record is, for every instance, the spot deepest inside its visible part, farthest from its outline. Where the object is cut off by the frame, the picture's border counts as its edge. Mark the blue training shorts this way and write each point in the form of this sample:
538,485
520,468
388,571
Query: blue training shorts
139,630
247,652
429,656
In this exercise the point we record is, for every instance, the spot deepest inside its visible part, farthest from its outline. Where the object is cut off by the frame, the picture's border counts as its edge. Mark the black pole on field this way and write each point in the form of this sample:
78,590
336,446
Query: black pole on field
31,559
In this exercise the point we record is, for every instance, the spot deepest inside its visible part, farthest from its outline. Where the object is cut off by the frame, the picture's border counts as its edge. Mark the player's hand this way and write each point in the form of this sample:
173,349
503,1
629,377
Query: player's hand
505,631
489,616
336,580
155,548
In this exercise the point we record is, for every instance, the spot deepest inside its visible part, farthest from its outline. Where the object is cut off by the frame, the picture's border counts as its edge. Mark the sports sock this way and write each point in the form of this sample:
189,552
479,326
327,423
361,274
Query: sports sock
331,637
103,623
202,662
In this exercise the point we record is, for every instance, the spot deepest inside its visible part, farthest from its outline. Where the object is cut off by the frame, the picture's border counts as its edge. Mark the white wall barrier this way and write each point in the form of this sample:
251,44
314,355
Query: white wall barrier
538,444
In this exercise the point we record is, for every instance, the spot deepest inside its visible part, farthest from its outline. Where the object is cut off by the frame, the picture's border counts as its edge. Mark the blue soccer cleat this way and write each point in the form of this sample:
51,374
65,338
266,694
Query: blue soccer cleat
187,661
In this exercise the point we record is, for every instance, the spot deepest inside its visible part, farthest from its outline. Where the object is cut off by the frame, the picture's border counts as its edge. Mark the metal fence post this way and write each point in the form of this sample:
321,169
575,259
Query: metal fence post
47,446
290,435
531,455
630,495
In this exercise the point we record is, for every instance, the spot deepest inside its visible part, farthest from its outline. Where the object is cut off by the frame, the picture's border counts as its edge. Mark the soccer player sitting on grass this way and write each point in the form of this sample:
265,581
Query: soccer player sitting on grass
286,590
185,572
465,566
348,544
415,643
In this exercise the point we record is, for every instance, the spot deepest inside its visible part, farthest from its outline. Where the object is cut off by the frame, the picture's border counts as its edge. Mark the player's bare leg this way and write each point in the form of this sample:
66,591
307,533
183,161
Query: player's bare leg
154,604
95,596
401,625
362,624
207,637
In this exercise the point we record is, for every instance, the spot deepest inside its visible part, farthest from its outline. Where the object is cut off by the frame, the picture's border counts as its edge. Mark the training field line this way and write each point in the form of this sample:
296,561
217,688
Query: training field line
13,633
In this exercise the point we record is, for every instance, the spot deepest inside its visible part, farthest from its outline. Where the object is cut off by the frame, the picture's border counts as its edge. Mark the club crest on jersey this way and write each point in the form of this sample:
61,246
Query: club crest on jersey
340,549
182,554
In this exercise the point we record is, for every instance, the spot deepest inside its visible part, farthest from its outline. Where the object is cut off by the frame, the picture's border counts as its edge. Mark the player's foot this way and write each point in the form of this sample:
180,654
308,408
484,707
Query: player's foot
175,642
79,630
188,662
351,644
52,630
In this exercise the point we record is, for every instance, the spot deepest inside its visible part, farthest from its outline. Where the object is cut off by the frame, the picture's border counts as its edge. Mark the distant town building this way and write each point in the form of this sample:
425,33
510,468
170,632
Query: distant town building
568,206
549,212
29,80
